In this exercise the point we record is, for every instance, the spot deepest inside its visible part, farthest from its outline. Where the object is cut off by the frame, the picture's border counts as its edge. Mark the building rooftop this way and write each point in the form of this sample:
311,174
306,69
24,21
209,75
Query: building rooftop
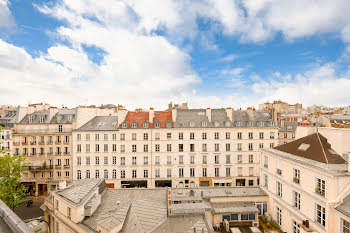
100,123
314,147
289,126
141,119
344,207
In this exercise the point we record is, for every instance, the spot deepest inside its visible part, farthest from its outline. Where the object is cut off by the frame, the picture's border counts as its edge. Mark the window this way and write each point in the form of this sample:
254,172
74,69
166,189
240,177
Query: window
122,174
79,160
250,146
88,174
114,147
204,147
168,160
122,148
204,136
251,182
122,161
133,136
181,159
78,148
216,147
279,188
272,135
204,159
296,227
191,136
97,174
133,148
134,160
272,145
145,136
79,175
60,128
114,174
87,137
181,172
191,147
320,186
192,159
122,137
157,124
114,137
87,160
345,226
114,160
261,145
157,136
97,137
105,137
250,135
228,172
216,159
279,215
204,172
134,174
192,172
239,135
296,175
296,200
97,148
239,159
168,172
228,159
321,215
157,160
181,147
168,147
251,171
261,135
87,148
145,173
157,149
168,136
216,135
145,148
181,136
266,181
217,172
266,161
239,146
251,158
97,160
285,135
134,125
105,174
228,135
145,124
105,148
228,146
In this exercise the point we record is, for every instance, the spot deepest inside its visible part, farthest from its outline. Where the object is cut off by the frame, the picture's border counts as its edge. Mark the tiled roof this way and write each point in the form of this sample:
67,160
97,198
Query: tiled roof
100,123
163,117
314,147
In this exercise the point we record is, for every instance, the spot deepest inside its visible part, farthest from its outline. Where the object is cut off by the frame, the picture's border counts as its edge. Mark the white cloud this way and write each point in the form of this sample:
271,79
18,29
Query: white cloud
6,19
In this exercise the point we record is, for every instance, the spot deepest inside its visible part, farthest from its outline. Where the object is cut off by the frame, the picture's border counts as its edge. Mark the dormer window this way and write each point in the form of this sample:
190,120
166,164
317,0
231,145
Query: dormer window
134,125
124,124
192,124
145,124
41,119
204,124
261,124
289,127
169,124
216,124
250,123
30,119
227,124
157,124
239,124
69,118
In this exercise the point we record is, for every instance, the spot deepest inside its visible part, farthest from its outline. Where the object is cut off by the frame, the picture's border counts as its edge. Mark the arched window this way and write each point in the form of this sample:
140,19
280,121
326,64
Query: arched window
97,174
87,173
192,124
114,174
105,174
157,124
79,175
204,124
192,184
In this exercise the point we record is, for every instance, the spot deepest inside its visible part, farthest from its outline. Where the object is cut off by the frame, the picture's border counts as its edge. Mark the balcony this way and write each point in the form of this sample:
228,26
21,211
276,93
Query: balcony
41,143
67,166
296,180
39,168
58,166
49,154
33,154
24,143
279,171
58,143
49,142
66,153
58,153
16,143
239,161
41,154
320,191
32,143
41,131
66,143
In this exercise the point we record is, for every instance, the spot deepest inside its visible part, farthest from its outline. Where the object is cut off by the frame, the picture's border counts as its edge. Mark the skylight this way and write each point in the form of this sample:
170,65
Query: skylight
332,151
303,147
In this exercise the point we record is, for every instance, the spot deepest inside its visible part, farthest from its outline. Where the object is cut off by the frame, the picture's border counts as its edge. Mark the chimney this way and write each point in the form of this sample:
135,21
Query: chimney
229,113
151,115
173,114
208,113
282,123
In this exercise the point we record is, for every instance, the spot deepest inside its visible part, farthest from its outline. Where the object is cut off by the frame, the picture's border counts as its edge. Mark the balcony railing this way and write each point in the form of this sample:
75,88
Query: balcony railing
34,131
66,153
49,142
49,154
32,143
58,143
24,143
58,153
320,191
33,154
66,143
279,171
66,166
16,143
36,168
296,180
58,166
41,154
41,143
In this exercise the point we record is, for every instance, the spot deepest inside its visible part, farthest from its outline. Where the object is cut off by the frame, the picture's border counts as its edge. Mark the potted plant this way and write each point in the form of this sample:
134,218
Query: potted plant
296,180
44,165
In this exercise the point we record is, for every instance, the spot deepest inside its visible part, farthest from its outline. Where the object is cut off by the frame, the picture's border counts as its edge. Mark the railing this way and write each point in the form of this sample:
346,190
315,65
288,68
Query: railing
58,153
58,143
66,153
41,143
66,166
16,143
58,166
33,154
320,191
34,168
49,154
33,131
66,143
49,142
32,143
24,143
41,154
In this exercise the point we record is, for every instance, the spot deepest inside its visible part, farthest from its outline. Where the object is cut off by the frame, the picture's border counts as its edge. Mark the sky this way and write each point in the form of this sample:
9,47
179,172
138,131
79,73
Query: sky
208,53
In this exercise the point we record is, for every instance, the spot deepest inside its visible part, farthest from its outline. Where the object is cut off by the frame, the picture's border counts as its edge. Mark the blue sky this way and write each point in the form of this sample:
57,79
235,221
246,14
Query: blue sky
207,53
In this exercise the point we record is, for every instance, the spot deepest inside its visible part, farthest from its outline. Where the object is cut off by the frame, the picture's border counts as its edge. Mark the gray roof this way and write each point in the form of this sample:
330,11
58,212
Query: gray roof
64,116
10,118
36,116
289,126
236,207
196,118
79,191
183,224
344,207
100,123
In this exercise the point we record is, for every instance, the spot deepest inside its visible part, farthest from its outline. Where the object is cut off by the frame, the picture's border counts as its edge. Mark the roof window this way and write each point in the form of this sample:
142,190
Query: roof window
304,147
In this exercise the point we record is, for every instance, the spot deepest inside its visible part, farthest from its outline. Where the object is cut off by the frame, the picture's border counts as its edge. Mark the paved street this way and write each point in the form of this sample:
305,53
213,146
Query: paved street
33,211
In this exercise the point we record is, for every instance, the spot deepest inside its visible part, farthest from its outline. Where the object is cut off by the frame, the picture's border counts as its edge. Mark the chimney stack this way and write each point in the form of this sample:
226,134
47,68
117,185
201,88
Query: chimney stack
151,115
229,113
208,113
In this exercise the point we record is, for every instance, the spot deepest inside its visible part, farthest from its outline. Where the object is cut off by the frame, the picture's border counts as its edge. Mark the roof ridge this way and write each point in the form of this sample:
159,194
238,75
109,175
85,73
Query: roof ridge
324,152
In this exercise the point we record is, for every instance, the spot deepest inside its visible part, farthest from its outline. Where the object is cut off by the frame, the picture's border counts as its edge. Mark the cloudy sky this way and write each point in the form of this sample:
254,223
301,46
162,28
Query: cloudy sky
141,53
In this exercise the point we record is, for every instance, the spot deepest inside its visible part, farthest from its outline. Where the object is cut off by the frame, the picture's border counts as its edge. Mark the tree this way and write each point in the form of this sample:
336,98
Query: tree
12,192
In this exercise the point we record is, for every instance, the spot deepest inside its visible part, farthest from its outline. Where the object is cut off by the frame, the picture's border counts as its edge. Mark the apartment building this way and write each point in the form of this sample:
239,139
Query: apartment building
286,131
282,107
45,139
177,148
306,180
